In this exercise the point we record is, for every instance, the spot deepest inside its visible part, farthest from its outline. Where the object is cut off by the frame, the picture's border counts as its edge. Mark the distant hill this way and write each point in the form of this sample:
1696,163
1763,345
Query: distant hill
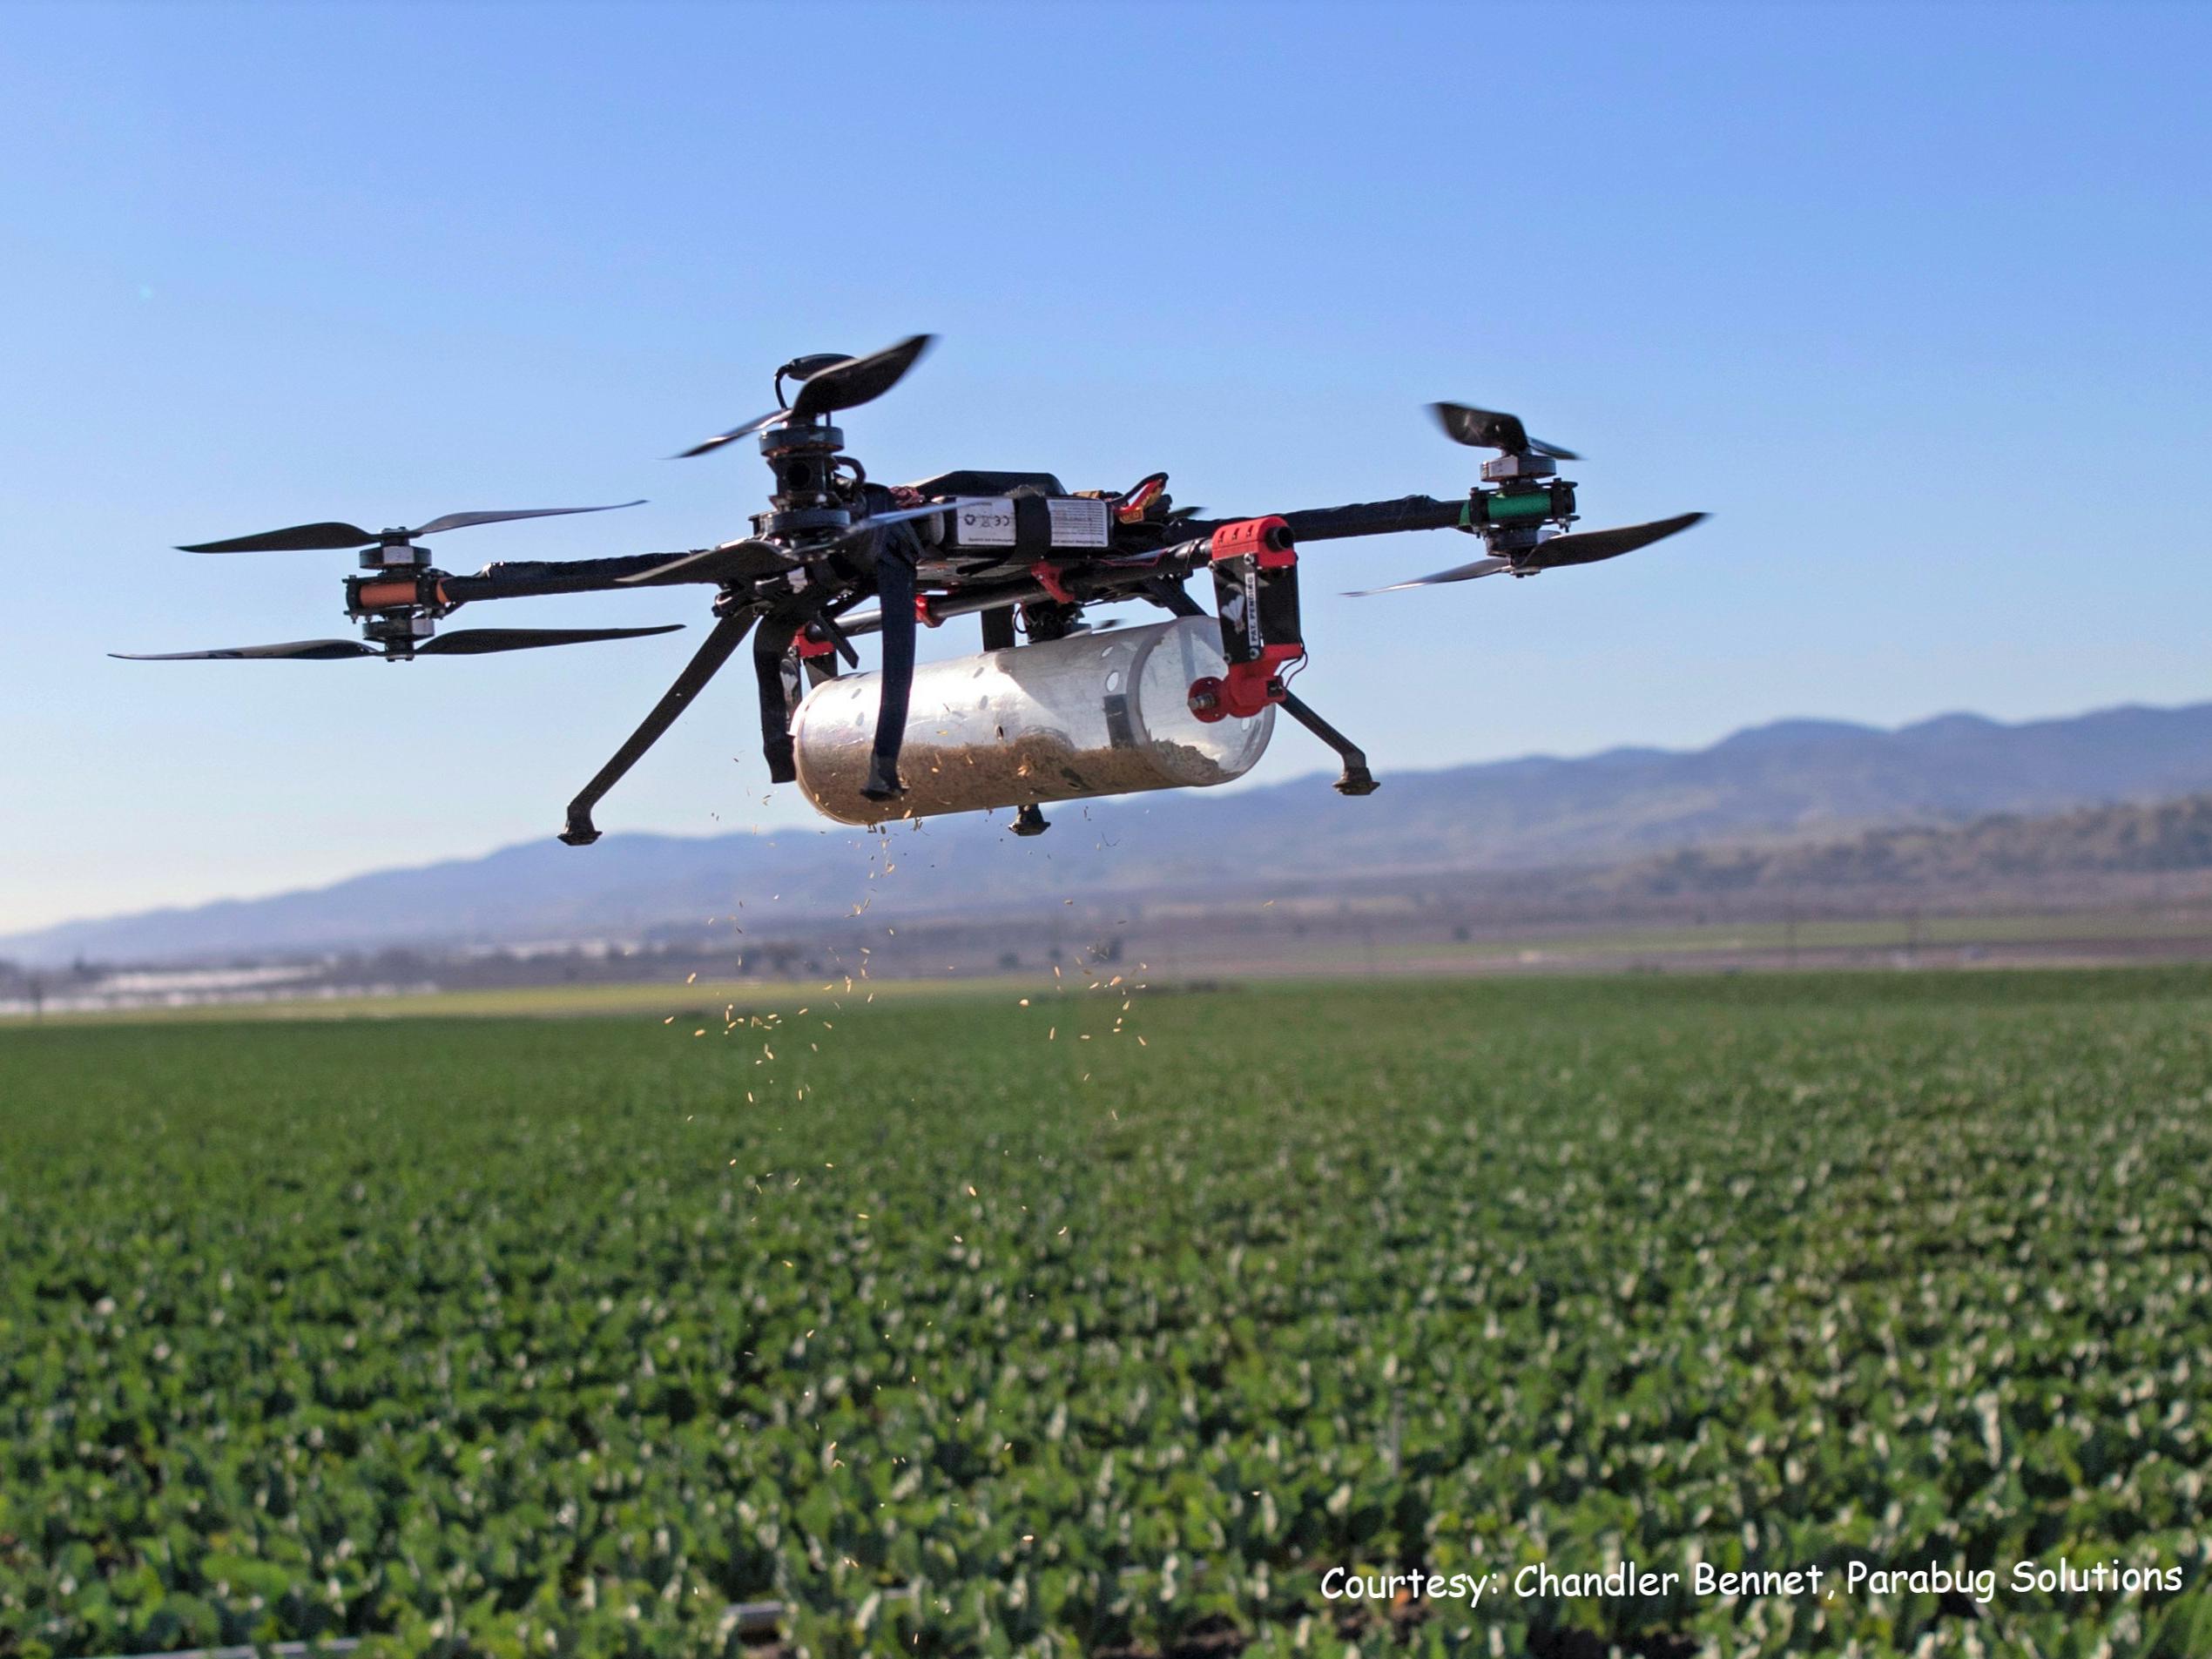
1794,780
2093,854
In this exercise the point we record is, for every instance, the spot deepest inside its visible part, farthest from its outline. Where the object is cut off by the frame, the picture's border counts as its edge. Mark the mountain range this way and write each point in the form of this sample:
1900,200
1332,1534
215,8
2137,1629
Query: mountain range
1791,781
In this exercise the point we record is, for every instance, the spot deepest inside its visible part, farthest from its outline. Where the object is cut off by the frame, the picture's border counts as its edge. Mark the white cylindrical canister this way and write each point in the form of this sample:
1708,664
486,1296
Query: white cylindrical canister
1095,714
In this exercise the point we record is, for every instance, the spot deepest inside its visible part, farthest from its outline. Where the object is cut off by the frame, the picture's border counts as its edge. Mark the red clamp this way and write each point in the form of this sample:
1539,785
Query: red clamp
808,647
1049,579
924,613
1267,540
1245,688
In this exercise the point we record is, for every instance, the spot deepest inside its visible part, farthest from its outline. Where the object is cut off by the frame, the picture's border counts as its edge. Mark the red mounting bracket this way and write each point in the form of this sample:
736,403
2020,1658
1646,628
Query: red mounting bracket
1254,573
1048,577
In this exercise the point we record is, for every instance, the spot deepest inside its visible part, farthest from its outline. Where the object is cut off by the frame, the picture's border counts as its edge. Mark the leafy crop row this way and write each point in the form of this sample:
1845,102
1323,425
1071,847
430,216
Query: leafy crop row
981,1326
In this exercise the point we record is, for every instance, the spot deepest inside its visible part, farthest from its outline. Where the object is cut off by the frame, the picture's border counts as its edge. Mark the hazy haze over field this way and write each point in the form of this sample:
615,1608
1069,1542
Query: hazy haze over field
1799,779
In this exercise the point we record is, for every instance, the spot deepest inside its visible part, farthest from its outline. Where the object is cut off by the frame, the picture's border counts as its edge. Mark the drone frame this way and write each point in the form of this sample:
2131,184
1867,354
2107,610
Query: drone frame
832,541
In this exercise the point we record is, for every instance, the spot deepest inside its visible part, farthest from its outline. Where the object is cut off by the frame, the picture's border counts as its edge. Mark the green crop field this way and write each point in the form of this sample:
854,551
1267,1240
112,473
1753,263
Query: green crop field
963,1326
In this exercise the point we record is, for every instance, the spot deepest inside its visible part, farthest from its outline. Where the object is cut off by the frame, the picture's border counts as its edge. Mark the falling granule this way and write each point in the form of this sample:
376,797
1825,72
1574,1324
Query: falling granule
690,978
971,1192
1052,1034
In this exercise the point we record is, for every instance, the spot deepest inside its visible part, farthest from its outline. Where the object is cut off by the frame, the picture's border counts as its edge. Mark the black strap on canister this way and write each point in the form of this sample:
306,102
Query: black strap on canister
770,645
896,551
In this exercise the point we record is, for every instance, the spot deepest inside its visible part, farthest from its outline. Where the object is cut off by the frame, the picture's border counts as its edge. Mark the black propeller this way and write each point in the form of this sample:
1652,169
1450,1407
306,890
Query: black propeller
308,537
744,560
1582,546
468,642
858,379
474,642
844,383
1587,547
1489,429
1457,573
309,650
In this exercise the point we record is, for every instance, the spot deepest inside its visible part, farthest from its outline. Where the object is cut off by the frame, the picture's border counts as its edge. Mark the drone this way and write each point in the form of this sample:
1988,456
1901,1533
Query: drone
1054,707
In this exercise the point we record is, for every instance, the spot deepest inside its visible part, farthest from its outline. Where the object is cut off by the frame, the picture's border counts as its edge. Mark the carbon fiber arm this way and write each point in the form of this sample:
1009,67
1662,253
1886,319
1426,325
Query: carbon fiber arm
1362,518
528,578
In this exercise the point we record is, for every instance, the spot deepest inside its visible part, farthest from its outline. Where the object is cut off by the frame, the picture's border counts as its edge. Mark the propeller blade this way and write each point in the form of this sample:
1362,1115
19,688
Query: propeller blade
298,539
1457,573
311,651
858,379
1489,429
1583,546
1587,547
843,383
743,561
732,435
732,561
333,536
474,642
461,521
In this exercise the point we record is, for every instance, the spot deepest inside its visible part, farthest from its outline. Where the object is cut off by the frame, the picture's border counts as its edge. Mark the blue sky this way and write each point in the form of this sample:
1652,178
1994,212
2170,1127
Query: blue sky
1911,299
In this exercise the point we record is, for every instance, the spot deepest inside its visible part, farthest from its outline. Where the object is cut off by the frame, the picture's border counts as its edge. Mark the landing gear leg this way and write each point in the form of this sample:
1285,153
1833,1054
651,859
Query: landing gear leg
720,644
1357,779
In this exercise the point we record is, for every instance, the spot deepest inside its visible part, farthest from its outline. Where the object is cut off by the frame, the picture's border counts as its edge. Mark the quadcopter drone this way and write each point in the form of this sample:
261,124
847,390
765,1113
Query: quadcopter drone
1076,710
